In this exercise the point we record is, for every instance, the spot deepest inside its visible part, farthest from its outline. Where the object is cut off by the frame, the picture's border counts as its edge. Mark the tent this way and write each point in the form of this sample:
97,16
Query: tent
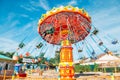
105,59
108,60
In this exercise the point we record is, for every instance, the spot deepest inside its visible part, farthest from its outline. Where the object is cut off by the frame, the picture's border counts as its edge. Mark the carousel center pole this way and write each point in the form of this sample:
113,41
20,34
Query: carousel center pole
66,61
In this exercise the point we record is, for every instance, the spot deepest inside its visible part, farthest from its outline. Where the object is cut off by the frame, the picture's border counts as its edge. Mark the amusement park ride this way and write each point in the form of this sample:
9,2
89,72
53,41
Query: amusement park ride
67,26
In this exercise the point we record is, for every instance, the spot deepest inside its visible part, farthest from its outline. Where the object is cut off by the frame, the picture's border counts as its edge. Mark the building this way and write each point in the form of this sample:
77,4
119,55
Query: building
7,64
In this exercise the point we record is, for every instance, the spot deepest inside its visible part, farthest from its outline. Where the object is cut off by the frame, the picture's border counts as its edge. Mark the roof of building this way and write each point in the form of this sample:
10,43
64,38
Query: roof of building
5,57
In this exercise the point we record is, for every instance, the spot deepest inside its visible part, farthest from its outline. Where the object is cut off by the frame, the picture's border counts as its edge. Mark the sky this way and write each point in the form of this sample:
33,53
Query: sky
19,20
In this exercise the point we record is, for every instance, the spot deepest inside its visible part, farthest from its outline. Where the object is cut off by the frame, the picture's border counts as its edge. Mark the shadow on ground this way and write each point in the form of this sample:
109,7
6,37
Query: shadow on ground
84,74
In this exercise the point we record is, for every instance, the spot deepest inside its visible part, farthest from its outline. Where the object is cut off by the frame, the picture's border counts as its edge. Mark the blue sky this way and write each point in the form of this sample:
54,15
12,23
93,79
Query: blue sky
19,18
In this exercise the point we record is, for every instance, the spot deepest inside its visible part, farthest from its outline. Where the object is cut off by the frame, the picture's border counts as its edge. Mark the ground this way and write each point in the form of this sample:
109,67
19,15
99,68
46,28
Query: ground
53,75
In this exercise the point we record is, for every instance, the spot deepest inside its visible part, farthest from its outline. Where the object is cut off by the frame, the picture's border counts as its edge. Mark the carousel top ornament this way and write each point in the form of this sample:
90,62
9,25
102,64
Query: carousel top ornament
64,23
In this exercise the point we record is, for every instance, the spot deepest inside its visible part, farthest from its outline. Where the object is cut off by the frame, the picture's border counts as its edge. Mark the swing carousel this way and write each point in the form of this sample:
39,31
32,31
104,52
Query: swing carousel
65,26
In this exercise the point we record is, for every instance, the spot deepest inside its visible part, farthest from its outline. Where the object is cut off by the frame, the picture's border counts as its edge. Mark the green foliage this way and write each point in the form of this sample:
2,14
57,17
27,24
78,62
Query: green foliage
41,55
42,61
52,61
77,68
82,68
95,67
2,53
57,58
20,60
87,68
43,58
31,57
8,54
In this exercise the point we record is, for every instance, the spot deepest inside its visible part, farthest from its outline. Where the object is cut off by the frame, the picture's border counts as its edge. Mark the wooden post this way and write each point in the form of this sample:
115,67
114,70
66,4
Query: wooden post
13,76
112,76
4,74
104,70
115,69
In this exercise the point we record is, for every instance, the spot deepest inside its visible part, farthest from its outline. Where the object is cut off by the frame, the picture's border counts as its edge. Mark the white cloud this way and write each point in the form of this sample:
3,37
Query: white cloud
106,17
115,32
24,15
10,21
26,30
107,21
14,23
72,2
36,5
8,45
10,16
31,25
9,26
29,7
44,4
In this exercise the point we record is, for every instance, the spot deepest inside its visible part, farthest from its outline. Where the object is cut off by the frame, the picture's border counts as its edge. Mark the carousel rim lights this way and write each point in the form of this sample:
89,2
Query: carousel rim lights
64,9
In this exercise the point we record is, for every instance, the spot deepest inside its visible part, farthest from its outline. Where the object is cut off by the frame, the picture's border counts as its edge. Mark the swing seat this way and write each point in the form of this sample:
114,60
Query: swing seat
21,45
95,57
93,53
57,51
95,31
106,50
100,43
88,29
91,57
72,41
80,50
39,45
115,42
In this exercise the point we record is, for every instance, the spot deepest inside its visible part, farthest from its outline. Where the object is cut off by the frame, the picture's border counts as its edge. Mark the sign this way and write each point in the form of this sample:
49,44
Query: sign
27,60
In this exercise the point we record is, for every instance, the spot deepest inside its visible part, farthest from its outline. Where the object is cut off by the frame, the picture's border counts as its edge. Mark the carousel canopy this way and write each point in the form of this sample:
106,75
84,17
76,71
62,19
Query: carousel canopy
64,23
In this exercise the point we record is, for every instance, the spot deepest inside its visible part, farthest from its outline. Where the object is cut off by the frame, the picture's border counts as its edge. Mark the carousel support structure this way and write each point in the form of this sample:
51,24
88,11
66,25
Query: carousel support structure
66,61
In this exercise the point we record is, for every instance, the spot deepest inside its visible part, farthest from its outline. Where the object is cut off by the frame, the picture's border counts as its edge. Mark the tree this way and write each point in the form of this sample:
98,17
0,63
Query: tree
43,59
8,54
52,61
87,68
95,67
57,58
2,53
